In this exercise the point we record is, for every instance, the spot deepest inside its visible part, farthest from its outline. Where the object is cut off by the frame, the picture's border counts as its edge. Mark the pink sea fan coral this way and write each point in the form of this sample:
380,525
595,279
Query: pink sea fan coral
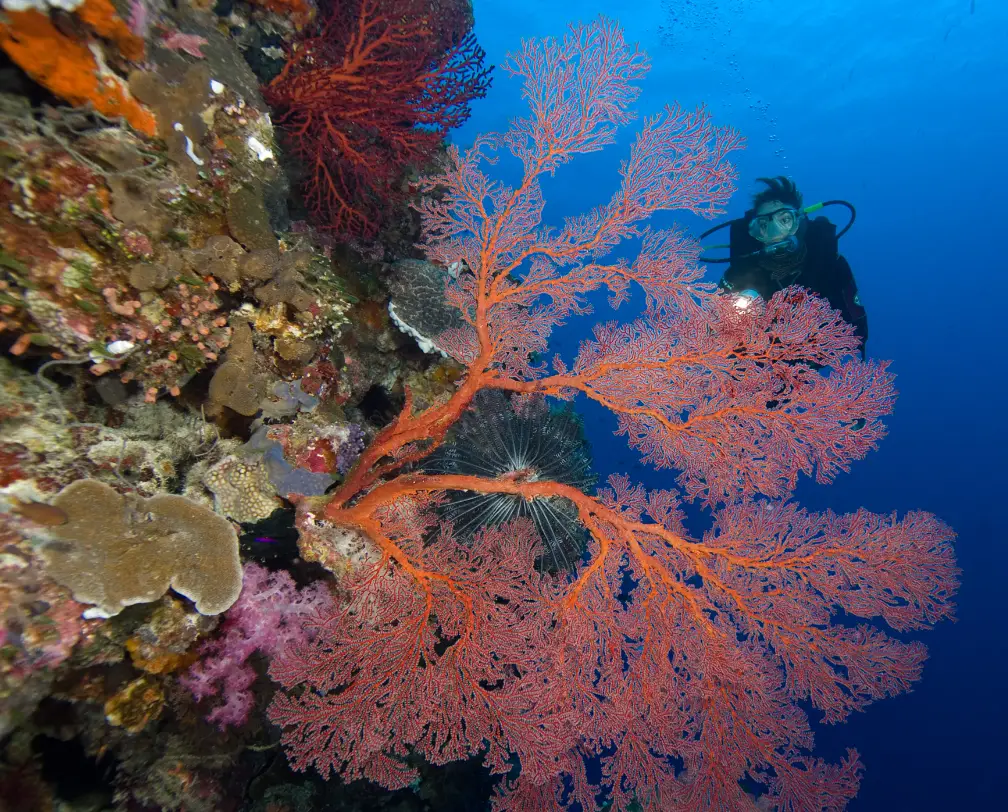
271,616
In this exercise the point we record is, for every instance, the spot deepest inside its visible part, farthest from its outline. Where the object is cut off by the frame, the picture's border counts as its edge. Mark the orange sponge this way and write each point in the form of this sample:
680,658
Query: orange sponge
73,69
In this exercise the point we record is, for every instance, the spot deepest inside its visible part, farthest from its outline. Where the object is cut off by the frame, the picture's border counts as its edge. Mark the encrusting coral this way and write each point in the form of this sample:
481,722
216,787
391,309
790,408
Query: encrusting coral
142,257
162,644
136,705
242,489
114,550
72,67
239,383
39,626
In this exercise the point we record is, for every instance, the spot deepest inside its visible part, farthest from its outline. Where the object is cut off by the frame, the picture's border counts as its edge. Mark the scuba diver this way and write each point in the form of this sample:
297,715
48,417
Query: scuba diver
776,245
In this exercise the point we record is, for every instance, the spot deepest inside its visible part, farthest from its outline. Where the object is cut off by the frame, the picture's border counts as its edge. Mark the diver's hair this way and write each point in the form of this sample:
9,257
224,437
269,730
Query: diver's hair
780,188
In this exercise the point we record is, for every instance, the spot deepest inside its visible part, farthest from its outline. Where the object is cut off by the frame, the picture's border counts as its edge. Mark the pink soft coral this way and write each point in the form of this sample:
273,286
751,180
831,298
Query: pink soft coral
270,617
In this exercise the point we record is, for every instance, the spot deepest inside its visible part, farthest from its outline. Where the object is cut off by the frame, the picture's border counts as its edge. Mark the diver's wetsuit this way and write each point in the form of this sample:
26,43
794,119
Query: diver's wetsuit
817,266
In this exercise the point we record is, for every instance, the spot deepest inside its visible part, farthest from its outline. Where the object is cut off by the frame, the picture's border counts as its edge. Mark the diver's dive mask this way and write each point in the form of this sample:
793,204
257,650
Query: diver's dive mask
787,224
775,226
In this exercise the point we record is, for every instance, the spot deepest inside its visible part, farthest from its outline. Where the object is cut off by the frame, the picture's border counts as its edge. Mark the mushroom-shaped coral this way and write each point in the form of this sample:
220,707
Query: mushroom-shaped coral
117,550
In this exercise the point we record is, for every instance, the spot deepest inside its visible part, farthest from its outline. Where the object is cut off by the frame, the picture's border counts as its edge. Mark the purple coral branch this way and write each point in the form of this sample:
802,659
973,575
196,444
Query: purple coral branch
139,18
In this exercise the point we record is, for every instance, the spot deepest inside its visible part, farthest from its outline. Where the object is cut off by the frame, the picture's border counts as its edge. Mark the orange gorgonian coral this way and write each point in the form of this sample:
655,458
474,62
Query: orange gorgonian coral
676,663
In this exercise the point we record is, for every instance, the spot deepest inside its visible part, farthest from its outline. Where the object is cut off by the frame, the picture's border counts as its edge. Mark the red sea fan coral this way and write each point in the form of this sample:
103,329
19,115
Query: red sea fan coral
680,665
485,679
682,688
371,91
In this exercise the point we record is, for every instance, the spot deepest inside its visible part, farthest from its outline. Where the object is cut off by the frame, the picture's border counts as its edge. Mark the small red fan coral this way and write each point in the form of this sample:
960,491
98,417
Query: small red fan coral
371,91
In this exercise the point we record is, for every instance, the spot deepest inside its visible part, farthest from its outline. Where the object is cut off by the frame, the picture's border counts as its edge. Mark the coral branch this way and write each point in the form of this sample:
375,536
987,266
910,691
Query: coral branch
371,91
677,663
270,617
444,637
440,649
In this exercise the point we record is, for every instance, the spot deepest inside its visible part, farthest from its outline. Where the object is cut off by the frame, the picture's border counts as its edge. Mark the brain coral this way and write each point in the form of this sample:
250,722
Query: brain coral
115,550
242,489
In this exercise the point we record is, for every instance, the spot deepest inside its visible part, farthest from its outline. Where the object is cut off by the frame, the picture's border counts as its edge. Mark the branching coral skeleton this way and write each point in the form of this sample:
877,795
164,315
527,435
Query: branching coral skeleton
678,662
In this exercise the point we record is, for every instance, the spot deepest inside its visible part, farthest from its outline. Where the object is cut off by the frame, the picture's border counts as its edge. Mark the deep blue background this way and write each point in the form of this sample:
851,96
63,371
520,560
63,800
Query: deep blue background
902,108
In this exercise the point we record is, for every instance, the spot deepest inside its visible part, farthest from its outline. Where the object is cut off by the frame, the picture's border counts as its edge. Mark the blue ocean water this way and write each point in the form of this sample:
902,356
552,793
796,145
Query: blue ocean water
901,108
